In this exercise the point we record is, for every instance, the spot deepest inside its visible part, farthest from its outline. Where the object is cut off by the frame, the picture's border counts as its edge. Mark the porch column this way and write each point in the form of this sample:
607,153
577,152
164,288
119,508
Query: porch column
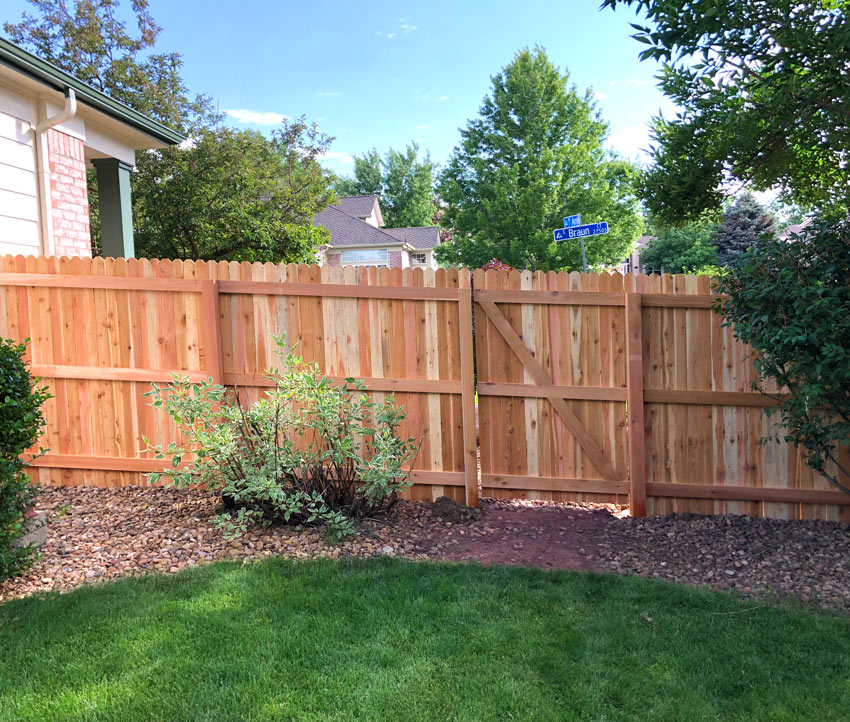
116,210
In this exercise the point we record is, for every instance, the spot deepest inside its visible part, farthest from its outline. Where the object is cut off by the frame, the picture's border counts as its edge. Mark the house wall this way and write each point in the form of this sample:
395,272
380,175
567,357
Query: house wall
19,212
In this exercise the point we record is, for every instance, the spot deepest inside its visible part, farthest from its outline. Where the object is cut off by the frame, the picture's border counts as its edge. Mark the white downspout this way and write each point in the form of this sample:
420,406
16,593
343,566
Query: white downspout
43,165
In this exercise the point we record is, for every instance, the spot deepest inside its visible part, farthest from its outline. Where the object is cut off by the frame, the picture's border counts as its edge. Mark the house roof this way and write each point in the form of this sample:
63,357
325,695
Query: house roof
360,206
347,230
19,59
422,237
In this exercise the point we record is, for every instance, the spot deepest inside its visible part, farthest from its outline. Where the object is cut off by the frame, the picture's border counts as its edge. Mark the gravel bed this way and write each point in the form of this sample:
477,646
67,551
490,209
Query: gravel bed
110,533
807,560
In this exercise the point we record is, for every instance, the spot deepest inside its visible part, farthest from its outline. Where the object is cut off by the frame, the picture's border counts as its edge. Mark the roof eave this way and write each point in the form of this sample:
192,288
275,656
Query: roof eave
47,73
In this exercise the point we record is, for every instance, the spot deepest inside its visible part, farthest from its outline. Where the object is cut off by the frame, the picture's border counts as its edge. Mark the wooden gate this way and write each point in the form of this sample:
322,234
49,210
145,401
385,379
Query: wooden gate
552,372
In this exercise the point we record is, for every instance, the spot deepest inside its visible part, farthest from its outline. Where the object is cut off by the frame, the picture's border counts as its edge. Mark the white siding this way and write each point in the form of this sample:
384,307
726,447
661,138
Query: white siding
18,188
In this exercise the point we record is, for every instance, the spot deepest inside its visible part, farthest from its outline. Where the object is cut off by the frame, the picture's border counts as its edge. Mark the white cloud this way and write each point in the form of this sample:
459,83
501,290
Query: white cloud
403,27
630,140
256,117
338,156
598,95
613,82
328,93
421,127
637,83
443,98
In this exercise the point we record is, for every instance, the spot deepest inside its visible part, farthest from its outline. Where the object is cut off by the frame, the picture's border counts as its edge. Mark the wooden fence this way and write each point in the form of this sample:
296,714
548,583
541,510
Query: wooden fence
590,387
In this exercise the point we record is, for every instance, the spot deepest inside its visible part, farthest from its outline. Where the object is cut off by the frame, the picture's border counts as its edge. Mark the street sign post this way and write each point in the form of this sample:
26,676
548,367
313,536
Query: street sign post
574,230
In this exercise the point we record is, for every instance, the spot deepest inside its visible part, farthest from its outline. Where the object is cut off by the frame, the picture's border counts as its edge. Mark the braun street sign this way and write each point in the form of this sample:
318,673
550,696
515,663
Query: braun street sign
591,229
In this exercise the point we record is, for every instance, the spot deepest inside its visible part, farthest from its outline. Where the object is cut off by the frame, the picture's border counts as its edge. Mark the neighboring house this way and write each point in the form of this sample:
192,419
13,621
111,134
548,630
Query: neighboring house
358,237
631,264
52,128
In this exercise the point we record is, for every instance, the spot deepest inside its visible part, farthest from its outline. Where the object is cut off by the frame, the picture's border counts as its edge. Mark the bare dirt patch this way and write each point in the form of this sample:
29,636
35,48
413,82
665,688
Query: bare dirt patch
109,533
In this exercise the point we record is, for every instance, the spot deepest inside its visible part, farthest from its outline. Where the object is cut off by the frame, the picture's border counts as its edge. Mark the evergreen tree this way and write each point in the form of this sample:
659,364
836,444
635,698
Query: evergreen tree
745,224
534,155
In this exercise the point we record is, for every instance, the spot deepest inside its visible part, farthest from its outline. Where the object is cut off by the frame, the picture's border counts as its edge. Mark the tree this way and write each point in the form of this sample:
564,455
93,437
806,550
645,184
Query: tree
764,94
745,224
681,249
533,155
404,185
790,301
235,195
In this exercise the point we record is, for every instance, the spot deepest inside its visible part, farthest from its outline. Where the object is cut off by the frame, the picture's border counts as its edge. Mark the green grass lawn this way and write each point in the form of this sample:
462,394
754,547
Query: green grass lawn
395,640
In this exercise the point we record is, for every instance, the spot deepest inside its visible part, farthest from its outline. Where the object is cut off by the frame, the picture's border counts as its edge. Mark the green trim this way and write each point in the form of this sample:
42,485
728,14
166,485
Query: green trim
41,70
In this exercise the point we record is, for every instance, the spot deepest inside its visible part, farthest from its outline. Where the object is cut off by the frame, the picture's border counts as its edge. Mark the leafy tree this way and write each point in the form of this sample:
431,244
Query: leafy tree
368,178
199,201
681,249
235,195
791,303
404,185
764,94
21,420
533,155
745,223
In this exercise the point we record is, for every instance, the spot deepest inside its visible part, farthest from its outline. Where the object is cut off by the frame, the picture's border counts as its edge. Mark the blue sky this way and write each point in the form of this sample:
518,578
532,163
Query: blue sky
380,74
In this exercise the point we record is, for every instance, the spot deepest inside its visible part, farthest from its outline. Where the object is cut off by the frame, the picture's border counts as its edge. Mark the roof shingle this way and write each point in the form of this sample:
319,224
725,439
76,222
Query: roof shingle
421,237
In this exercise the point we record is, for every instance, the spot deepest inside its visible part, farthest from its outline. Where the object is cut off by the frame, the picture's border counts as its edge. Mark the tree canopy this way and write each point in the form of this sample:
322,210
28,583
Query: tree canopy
403,183
235,195
764,94
533,155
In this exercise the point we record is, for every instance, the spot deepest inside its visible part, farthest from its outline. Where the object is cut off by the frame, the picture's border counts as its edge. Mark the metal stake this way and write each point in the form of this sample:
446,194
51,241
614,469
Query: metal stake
583,257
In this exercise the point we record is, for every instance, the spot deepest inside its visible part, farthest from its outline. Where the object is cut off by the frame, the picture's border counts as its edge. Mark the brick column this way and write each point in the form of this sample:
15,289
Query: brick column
69,196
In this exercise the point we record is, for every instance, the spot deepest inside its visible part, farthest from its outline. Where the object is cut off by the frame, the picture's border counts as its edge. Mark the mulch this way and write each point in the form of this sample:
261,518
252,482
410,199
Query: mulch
109,533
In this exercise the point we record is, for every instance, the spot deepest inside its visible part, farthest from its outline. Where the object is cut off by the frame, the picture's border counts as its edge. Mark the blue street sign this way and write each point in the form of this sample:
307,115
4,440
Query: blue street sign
592,229
572,221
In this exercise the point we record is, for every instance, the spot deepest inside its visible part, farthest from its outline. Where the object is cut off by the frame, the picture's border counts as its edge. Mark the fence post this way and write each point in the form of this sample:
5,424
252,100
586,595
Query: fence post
467,373
634,384
212,326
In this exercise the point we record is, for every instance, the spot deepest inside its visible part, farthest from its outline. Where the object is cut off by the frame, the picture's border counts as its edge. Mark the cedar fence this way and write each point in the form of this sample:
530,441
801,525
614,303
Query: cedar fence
590,387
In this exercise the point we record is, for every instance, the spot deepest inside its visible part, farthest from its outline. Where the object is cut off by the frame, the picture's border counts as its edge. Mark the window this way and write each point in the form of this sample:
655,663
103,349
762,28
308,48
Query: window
376,256
419,258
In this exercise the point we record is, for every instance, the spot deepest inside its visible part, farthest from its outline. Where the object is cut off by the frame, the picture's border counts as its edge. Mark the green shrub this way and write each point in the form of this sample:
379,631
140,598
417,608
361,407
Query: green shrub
21,420
308,452
790,300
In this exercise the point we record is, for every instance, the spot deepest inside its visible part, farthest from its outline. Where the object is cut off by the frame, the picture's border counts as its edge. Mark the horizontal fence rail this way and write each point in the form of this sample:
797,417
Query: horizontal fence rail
589,387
